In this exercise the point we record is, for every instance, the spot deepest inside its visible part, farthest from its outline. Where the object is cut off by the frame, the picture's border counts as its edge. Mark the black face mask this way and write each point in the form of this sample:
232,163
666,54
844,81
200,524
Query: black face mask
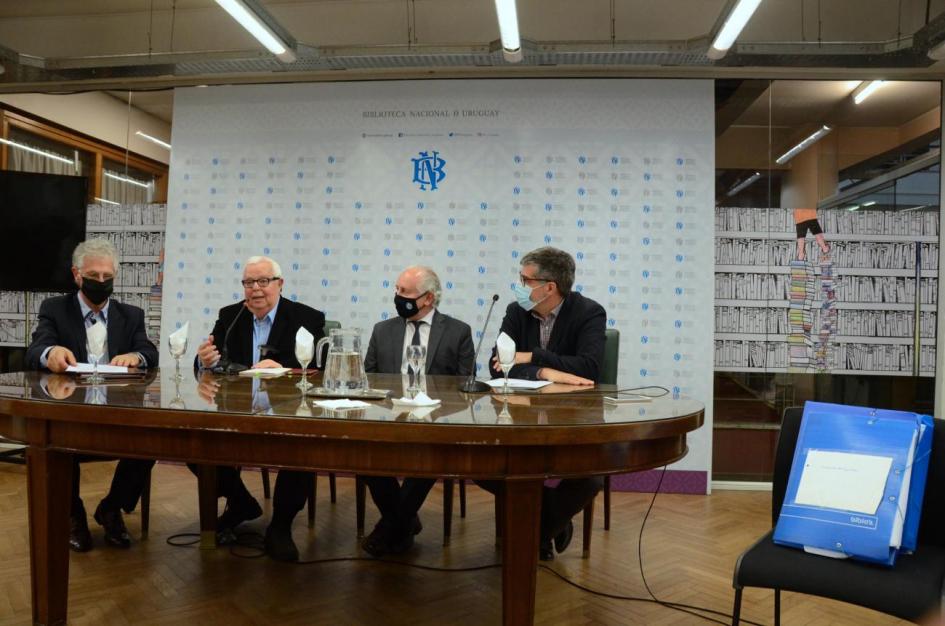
407,307
97,291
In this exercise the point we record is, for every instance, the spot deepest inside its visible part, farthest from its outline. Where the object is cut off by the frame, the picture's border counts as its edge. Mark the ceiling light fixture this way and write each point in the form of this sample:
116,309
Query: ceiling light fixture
107,201
254,18
48,155
853,208
159,142
732,28
870,203
804,145
130,181
508,30
739,186
866,89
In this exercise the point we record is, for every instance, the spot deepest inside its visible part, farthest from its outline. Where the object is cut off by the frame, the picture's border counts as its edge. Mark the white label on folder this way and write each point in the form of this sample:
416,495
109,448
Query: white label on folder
843,480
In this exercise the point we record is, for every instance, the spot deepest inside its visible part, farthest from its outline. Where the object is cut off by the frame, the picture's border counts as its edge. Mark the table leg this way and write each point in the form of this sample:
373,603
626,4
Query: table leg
207,499
522,513
49,477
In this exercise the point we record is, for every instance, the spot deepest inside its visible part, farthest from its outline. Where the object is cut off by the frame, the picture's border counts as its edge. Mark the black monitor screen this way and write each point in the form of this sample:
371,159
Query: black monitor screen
42,219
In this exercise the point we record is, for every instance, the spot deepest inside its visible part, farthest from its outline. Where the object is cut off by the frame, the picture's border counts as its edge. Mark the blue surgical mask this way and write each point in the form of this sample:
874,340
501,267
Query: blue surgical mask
523,296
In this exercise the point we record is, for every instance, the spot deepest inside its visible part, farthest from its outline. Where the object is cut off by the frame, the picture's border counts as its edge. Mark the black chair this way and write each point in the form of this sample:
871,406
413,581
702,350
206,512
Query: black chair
910,590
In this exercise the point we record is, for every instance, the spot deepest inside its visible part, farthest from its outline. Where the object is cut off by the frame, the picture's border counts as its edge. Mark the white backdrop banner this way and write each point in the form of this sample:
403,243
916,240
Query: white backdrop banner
345,184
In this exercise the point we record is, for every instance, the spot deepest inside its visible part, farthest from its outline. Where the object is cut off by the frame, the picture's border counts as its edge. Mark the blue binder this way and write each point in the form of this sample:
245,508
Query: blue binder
904,438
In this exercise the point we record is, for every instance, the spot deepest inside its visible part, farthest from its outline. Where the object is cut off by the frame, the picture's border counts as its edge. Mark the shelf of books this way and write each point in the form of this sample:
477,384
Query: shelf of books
849,309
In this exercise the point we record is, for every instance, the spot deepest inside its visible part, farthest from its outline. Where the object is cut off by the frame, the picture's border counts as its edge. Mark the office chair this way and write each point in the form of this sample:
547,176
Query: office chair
912,589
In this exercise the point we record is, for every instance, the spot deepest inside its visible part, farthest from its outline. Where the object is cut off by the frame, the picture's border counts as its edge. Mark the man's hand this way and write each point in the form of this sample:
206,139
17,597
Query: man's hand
557,376
266,363
126,360
520,358
59,358
208,353
208,387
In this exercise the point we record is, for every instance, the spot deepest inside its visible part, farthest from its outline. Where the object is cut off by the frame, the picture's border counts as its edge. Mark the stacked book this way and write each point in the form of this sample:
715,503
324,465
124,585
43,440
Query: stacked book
828,315
800,297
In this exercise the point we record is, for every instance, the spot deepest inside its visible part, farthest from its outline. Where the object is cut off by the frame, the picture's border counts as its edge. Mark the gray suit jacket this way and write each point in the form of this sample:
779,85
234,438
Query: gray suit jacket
449,352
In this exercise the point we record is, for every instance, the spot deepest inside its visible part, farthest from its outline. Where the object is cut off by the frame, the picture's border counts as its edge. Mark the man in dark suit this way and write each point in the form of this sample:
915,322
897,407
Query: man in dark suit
60,341
559,336
262,336
450,352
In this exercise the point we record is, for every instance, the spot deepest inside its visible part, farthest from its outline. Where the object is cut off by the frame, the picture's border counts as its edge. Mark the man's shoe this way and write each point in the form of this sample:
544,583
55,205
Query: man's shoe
415,526
116,534
401,543
80,539
545,551
377,544
563,539
279,544
233,516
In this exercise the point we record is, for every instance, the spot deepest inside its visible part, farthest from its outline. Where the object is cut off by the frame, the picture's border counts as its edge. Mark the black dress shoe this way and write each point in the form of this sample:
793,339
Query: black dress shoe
279,544
563,539
546,551
234,515
116,534
377,543
80,539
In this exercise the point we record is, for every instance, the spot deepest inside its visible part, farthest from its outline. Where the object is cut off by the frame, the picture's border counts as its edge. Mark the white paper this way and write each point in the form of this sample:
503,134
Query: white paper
304,345
843,480
96,335
421,399
505,348
265,372
103,368
344,403
178,339
518,383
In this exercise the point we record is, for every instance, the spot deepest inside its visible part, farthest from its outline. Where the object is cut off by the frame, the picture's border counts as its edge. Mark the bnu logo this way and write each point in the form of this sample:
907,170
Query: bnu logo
428,170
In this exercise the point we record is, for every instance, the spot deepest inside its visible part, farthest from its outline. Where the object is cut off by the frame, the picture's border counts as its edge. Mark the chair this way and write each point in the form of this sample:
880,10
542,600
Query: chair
267,489
913,588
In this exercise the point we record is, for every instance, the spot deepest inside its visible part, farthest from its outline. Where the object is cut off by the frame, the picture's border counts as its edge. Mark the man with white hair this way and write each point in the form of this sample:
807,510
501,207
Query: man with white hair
60,341
264,336
450,352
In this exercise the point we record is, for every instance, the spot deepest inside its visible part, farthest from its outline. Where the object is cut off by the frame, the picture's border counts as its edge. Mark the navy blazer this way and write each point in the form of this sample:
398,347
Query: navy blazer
60,323
290,316
576,345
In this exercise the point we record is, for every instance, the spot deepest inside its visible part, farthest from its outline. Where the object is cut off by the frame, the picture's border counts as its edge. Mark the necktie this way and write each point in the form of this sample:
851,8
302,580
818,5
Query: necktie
416,333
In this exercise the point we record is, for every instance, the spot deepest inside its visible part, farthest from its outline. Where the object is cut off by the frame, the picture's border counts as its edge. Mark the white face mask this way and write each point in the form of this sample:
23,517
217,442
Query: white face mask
523,296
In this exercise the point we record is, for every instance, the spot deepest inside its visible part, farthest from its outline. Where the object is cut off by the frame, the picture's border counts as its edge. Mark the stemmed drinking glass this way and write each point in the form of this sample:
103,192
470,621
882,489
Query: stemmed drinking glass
304,354
177,349
506,367
416,359
94,358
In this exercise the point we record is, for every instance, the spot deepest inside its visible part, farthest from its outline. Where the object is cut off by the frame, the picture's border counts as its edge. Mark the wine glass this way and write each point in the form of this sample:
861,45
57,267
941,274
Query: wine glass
416,360
95,354
177,350
304,353
504,417
506,367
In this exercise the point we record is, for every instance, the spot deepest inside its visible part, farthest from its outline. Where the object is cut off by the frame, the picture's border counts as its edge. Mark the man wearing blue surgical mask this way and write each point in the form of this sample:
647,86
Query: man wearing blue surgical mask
559,336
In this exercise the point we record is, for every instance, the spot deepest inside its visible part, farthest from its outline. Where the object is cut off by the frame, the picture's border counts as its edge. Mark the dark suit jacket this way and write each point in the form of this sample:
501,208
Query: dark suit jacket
450,349
60,323
290,316
576,344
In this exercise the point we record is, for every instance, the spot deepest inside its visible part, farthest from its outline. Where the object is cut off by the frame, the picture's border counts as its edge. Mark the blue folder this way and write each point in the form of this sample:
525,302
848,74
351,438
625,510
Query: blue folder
904,437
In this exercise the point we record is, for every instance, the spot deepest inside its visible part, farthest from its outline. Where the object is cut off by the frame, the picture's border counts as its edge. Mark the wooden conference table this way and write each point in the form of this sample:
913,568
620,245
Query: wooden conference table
521,439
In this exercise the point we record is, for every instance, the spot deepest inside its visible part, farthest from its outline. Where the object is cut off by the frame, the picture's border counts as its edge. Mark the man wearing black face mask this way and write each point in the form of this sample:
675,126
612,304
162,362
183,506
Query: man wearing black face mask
450,352
60,341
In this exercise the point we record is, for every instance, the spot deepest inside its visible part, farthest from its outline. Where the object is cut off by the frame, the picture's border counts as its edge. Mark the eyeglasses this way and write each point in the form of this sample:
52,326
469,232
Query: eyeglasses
262,282
527,279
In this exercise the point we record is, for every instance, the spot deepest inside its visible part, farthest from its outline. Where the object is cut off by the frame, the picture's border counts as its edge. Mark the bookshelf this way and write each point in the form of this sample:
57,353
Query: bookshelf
853,313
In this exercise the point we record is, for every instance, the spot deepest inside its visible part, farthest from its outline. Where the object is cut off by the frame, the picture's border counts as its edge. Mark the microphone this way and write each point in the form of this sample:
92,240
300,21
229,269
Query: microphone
225,365
471,385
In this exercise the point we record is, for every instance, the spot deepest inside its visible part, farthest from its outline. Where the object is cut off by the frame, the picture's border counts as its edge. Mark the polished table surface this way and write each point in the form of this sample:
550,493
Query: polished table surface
521,439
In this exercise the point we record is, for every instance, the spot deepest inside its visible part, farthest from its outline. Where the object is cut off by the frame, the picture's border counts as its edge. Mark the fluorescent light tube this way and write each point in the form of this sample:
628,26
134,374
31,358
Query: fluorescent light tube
870,203
43,153
508,30
130,181
790,154
865,90
738,187
732,28
853,208
107,201
159,142
249,15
